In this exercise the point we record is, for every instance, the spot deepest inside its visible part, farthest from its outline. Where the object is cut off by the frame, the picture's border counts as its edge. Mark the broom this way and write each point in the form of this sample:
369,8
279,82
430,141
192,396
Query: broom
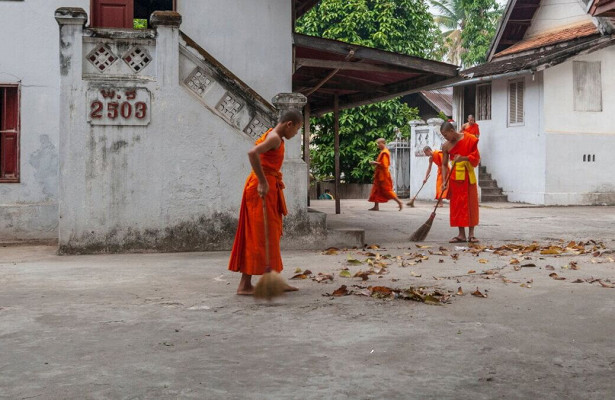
271,284
411,202
420,234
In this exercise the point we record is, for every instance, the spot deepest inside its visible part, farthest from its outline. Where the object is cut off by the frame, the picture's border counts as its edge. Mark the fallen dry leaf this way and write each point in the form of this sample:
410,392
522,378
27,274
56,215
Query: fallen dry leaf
455,256
573,265
478,293
297,270
373,247
299,276
363,275
345,273
556,276
331,251
471,271
550,267
579,281
423,246
483,261
530,265
341,291
459,291
352,260
606,285
323,277
551,250
514,261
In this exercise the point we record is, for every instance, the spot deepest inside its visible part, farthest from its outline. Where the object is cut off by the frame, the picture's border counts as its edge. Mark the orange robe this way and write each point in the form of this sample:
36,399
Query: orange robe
248,254
472,129
437,159
462,189
382,190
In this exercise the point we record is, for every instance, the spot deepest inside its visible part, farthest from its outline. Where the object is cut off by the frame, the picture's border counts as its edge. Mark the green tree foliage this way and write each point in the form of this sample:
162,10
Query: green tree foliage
482,18
451,19
403,26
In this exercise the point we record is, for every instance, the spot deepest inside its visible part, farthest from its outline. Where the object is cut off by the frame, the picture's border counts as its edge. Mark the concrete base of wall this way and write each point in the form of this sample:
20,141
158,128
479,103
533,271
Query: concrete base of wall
347,190
28,222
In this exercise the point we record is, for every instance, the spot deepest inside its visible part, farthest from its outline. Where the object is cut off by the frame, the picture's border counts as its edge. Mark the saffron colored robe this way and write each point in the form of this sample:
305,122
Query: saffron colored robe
462,189
382,189
436,158
248,254
472,129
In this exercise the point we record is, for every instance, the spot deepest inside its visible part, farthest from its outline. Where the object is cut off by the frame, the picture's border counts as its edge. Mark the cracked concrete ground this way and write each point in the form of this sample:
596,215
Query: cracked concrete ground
168,326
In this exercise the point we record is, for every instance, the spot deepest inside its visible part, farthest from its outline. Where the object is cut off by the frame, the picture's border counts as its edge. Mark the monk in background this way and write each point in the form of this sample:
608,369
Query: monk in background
382,189
462,148
435,157
471,127
263,184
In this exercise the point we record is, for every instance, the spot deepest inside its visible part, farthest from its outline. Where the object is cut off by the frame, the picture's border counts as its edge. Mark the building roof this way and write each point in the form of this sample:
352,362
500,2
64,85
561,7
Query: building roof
440,99
358,75
539,59
549,38
516,19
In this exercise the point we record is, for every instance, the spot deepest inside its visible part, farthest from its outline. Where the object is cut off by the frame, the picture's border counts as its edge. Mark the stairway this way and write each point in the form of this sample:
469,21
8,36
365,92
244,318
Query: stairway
490,192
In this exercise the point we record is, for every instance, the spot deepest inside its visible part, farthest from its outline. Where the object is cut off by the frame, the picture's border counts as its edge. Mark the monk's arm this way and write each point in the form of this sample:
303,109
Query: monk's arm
270,143
428,169
473,156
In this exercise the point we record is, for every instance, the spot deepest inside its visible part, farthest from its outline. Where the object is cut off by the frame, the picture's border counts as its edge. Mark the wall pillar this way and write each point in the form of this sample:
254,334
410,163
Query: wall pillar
167,25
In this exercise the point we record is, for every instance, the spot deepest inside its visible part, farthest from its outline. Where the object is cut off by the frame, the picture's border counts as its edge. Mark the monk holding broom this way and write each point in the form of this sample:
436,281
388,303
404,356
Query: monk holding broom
462,148
435,157
382,189
263,205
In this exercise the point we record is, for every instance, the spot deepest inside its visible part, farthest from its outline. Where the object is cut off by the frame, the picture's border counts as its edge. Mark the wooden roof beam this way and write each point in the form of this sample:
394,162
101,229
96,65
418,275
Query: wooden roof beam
331,75
351,66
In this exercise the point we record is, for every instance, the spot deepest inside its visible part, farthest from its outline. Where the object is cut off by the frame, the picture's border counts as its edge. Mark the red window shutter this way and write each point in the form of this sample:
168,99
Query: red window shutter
112,13
9,133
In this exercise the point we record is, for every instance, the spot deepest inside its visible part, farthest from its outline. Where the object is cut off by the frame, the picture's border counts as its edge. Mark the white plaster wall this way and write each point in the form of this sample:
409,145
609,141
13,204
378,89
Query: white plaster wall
555,14
29,56
252,38
571,134
515,156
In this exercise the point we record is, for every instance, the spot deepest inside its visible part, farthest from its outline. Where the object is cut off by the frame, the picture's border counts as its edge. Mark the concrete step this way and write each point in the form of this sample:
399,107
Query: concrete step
488,183
484,176
482,169
490,191
346,238
493,198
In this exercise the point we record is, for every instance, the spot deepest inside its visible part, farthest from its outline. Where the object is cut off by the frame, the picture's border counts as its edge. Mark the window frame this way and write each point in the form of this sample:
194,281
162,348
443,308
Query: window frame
93,8
17,131
508,91
477,107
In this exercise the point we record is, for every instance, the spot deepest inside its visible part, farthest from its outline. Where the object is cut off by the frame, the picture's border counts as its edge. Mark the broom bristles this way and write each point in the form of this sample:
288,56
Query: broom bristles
420,234
410,203
270,285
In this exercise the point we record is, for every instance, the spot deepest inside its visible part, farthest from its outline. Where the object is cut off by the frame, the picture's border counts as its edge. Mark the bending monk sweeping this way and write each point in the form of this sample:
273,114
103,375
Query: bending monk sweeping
263,184
435,157
462,148
382,189
471,126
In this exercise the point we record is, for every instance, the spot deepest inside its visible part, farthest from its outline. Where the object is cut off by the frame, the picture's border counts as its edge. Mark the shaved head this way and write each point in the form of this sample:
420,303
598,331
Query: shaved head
447,126
293,116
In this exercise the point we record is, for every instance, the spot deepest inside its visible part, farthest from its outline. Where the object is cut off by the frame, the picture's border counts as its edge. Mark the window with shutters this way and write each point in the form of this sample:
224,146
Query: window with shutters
483,102
587,86
515,103
9,133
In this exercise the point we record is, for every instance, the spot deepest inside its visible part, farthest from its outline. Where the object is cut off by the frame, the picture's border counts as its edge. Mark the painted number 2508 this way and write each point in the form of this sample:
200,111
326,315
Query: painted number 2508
116,109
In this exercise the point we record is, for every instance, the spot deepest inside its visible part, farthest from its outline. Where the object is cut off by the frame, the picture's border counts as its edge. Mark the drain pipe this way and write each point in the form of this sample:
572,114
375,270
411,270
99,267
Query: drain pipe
491,77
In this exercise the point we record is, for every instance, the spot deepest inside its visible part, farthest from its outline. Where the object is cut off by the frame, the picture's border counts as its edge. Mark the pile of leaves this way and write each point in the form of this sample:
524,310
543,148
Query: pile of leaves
420,294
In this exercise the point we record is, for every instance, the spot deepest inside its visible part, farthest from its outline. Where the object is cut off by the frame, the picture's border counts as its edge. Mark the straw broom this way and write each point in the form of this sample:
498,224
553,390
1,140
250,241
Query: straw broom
420,234
411,202
271,284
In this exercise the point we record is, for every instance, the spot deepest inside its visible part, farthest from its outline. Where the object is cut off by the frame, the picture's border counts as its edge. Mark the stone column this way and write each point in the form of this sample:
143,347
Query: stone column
290,101
167,25
294,169
72,102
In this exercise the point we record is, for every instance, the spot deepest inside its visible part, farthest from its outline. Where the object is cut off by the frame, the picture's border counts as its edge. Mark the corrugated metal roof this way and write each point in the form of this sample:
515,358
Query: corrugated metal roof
561,35
440,99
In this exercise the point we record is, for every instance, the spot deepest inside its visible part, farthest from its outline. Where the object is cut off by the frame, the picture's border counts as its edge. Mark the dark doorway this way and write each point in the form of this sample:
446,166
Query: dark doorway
145,8
469,101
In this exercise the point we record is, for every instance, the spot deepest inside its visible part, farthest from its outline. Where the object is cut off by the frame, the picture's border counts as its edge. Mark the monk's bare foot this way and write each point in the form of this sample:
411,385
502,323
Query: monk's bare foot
400,205
373,209
289,288
245,292
473,239
457,239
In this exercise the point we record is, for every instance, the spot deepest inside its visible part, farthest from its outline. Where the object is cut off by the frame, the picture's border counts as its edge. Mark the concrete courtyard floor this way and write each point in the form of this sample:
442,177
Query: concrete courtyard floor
169,326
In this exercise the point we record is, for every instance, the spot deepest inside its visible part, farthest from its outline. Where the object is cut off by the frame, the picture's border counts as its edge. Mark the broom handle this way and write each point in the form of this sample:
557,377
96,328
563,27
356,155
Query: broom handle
448,178
266,225
421,188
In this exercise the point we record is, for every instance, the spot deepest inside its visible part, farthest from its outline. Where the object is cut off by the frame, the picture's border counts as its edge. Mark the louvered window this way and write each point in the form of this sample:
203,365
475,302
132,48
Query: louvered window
587,86
9,133
483,102
515,103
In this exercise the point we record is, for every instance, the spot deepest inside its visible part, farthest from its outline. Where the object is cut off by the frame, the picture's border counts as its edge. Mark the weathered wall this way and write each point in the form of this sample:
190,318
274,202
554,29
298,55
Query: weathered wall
573,134
172,185
424,134
251,38
555,14
515,155
28,56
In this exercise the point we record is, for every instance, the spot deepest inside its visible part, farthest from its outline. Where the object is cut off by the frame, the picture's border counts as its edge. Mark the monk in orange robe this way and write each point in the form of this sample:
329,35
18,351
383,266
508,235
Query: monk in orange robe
382,189
435,157
471,127
263,184
462,148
